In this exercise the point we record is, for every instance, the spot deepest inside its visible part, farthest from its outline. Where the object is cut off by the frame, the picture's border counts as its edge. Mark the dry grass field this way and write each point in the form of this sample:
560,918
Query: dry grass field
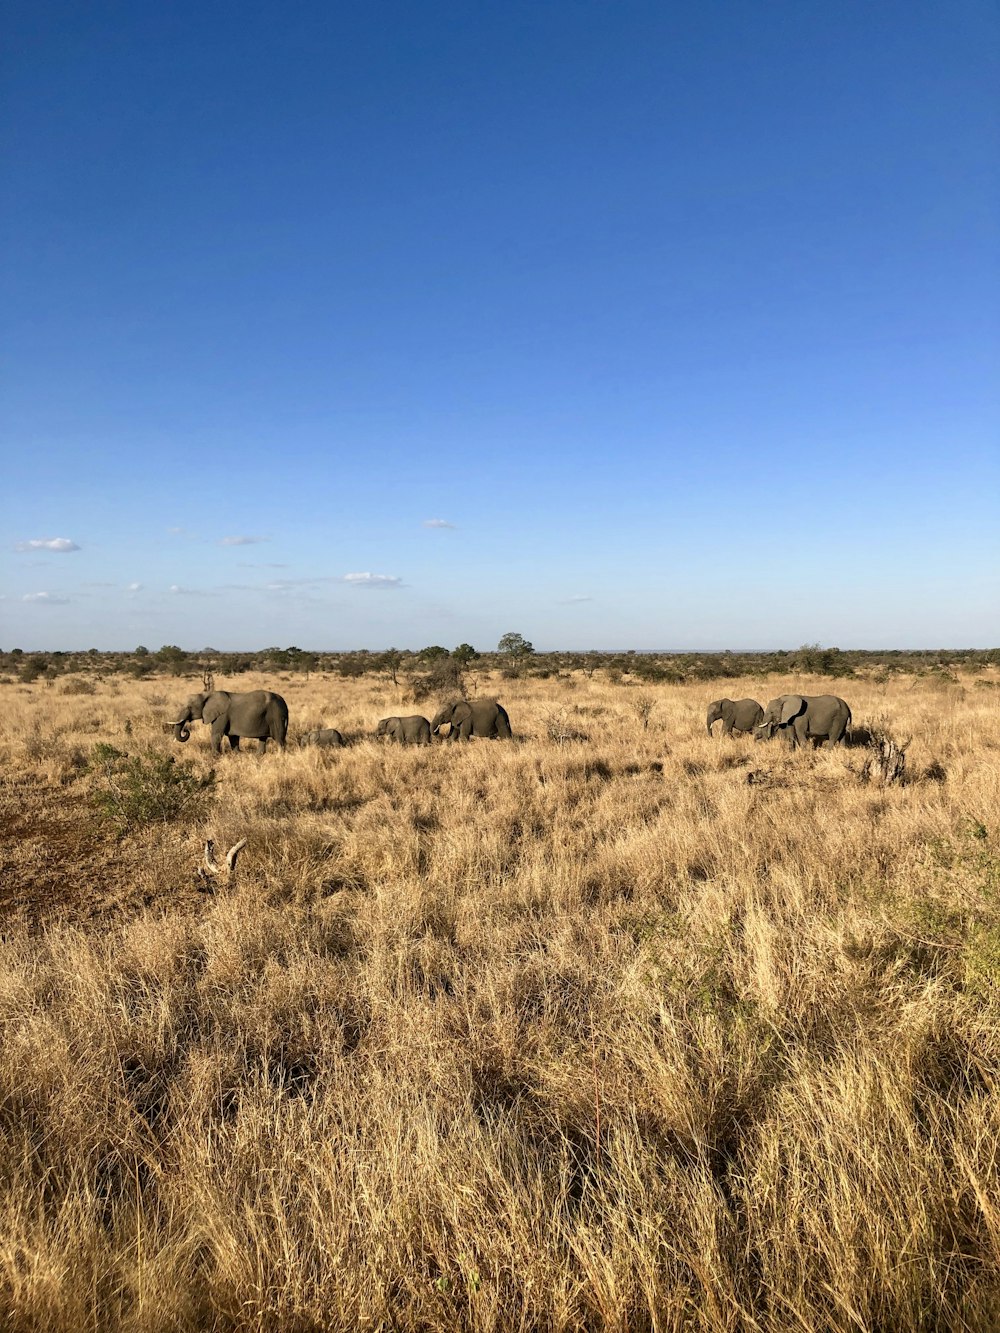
642,1031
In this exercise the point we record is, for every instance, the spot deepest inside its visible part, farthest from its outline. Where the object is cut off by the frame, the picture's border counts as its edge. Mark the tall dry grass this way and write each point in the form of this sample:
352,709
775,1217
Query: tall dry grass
646,1031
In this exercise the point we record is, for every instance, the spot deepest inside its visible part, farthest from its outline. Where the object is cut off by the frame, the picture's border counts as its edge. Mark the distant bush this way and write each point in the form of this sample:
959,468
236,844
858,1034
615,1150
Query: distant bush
79,685
444,678
138,790
561,728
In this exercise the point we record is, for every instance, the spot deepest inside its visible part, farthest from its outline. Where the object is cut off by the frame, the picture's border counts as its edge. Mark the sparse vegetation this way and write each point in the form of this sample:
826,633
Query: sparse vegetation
647,1031
135,790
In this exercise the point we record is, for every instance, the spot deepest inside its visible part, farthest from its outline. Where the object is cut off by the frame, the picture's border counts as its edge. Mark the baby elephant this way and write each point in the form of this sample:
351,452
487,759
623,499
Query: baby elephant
413,730
741,716
325,736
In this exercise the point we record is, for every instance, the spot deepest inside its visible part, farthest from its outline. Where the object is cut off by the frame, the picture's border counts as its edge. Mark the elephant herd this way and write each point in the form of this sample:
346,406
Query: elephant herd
802,719
261,715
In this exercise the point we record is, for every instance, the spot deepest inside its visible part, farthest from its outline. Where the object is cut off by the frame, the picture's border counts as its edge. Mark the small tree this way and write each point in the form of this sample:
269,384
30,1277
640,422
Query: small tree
464,654
517,649
390,662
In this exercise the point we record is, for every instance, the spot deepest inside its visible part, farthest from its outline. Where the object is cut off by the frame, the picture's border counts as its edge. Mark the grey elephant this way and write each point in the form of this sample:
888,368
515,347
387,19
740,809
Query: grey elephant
740,715
324,737
258,715
413,730
473,717
802,718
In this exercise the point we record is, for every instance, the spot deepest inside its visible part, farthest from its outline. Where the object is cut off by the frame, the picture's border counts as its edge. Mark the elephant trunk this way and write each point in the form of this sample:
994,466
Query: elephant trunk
181,730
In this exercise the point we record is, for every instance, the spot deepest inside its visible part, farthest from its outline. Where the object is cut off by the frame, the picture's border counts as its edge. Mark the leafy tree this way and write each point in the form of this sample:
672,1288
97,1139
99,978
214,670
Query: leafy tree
429,654
464,654
515,646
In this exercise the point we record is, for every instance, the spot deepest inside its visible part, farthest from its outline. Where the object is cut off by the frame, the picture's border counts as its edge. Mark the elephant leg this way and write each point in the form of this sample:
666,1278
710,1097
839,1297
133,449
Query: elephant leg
218,731
727,728
234,742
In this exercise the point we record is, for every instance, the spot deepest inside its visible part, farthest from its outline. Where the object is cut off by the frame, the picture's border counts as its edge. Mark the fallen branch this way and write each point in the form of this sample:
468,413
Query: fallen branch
211,869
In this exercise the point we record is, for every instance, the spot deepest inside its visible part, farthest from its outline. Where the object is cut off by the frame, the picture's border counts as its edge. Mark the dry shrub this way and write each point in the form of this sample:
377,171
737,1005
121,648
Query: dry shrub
503,1036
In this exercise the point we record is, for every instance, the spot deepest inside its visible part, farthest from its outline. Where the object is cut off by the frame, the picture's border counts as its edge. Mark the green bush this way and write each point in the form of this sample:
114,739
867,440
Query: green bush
138,790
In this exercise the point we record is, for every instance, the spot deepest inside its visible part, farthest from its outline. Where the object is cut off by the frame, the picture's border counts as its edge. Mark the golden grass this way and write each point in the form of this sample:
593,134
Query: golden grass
650,1031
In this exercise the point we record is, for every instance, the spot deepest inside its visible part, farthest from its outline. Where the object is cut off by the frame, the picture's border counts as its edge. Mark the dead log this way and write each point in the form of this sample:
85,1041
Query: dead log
886,761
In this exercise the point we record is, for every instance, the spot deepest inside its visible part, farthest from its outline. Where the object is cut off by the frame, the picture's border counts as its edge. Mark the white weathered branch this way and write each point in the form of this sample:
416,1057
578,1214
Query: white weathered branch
212,869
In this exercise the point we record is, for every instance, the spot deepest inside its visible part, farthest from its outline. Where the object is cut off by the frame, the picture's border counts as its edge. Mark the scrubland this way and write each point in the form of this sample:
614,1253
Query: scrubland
645,1030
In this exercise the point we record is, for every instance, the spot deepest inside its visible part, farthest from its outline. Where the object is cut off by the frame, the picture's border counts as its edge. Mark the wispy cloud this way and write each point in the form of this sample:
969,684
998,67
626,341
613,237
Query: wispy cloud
59,544
133,588
259,564
45,598
580,597
179,591
438,523
372,580
242,541
311,583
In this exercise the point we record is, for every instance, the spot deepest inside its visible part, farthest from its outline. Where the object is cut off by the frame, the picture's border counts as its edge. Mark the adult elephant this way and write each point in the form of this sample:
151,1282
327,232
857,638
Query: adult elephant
473,717
258,715
819,718
328,737
413,730
740,715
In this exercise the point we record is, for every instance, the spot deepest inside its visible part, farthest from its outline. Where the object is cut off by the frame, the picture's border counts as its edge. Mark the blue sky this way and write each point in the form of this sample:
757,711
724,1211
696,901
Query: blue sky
619,325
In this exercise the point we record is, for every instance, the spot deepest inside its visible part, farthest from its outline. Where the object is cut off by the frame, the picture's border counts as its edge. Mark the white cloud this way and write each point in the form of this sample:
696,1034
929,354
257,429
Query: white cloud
180,591
437,523
242,541
45,598
133,588
372,580
60,544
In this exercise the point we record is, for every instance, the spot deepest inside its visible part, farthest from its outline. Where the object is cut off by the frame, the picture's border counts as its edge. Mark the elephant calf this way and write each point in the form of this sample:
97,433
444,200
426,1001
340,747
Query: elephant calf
324,736
801,718
413,730
741,715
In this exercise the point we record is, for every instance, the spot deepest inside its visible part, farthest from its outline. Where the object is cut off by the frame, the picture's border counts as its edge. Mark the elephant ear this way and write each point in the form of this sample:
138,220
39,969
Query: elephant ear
215,706
791,706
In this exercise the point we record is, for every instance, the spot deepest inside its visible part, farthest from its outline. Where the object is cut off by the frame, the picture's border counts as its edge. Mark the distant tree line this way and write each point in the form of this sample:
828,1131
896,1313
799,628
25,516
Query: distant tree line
436,669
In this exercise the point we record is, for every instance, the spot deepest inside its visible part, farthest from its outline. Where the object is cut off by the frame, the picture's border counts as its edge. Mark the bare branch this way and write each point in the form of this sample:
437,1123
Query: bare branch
232,854
210,863
212,869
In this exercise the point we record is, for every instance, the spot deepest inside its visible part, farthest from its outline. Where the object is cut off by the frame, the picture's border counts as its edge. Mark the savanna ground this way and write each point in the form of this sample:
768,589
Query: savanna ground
642,1031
